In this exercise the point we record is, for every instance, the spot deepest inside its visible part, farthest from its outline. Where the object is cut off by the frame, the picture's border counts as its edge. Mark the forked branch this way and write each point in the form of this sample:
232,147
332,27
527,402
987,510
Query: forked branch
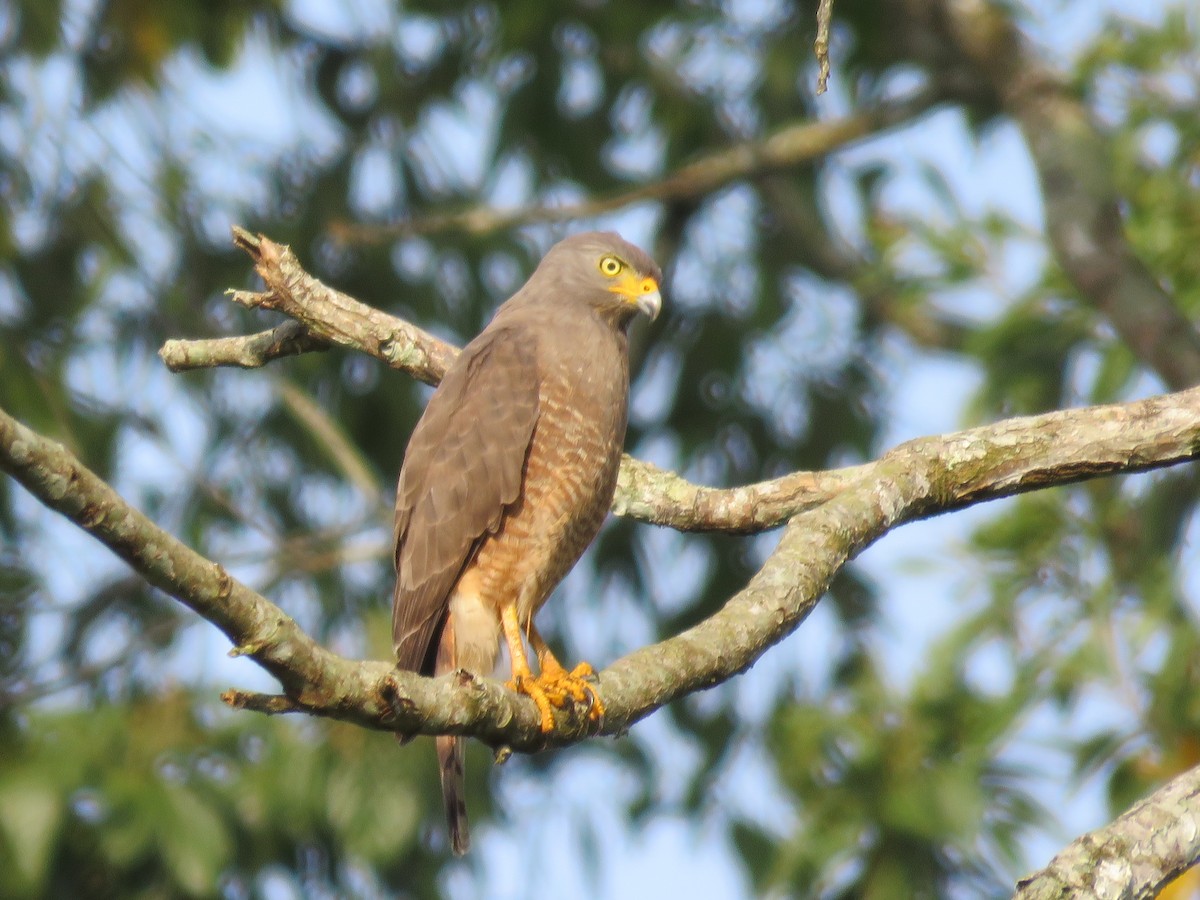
830,517
920,478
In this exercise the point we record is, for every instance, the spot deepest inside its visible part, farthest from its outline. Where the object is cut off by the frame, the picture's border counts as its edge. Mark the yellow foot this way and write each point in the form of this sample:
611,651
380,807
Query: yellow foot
561,685
555,686
528,685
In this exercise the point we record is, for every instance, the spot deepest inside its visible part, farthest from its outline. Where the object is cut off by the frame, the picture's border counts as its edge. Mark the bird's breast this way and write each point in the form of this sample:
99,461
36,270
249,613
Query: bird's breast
570,475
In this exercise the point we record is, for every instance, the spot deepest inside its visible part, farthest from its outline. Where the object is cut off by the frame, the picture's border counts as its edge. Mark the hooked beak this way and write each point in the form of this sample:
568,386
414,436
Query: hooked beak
651,304
641,292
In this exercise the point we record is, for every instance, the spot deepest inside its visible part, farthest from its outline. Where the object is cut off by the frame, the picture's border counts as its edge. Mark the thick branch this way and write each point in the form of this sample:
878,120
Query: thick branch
314,679
920,478
644,492
789,146
1134,856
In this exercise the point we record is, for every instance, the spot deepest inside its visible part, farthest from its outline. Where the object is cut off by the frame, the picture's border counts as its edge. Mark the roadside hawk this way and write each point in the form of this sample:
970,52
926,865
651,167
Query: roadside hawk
509,474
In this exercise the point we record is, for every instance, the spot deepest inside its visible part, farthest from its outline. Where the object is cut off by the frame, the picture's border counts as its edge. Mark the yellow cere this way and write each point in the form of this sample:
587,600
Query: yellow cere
633,287
629,284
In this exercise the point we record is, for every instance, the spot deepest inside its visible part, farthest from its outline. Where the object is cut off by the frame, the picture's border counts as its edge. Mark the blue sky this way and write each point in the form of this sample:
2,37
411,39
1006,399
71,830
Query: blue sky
218,118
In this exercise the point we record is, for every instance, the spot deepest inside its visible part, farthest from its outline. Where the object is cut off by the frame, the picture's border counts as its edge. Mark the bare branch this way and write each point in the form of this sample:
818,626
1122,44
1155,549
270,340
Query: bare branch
789,146
917,479
1133,857
650,494
316,680
643,492
336,317
267,704
246,352
821,44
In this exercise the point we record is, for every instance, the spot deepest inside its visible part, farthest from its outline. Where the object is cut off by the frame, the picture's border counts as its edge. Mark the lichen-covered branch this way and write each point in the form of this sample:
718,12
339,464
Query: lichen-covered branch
644,492
335,317
313,678
1131,858
920,478
788,146
661,497
250,351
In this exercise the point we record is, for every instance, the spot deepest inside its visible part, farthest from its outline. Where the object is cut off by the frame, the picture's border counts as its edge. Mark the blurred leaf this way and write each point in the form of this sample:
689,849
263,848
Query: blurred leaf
804,305
195,844
30,815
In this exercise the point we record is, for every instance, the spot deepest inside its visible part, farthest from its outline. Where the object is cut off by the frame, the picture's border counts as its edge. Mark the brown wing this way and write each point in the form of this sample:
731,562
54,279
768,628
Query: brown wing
463,468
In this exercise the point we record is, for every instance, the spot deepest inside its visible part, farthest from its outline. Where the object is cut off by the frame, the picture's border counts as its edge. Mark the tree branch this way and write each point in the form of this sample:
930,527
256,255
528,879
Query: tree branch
314,679
336,317
789,146
821,44
917,479
643,492
1133,857
249,351
661,497
1083,218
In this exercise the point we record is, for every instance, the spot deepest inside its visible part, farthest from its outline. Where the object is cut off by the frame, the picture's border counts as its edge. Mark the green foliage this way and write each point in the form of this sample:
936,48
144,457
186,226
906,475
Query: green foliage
902,785
149,799
133,133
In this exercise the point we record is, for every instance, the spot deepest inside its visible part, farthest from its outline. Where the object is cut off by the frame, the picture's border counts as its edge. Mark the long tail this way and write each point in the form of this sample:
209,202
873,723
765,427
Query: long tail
450,762
451,756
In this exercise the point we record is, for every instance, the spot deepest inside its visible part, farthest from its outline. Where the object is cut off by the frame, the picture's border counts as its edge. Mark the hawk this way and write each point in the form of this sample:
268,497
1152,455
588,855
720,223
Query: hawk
509,474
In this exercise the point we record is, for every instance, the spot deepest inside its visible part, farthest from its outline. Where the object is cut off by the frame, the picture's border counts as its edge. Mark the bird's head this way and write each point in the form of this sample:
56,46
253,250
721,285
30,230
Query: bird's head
606,272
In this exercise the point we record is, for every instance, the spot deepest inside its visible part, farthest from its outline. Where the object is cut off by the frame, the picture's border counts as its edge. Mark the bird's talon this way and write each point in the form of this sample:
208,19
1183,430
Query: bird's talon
595,707
554,687
532,689
561,686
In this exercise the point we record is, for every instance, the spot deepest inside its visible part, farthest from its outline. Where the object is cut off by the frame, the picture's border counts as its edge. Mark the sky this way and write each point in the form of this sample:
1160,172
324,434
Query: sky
671,854
685,858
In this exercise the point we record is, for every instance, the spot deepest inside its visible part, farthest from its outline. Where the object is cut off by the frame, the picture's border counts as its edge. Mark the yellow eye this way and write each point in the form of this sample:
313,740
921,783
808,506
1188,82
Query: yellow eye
611,266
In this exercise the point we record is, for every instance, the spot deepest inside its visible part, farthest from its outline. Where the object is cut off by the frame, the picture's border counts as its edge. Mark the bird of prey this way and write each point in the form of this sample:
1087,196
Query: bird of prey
509,474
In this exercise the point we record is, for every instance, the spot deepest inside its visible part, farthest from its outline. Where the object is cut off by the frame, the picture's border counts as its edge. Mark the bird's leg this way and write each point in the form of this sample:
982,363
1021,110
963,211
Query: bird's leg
559,684
523,681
